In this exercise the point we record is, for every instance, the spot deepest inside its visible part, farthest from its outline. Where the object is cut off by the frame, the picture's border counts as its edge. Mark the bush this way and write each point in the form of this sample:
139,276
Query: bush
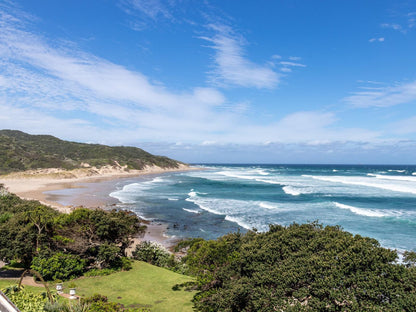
126,264
26,301
152,253
59,266
108,256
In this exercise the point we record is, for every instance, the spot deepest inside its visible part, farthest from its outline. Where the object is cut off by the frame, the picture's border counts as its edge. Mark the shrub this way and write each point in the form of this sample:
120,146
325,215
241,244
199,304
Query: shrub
126,264
26,301
152,253
59,266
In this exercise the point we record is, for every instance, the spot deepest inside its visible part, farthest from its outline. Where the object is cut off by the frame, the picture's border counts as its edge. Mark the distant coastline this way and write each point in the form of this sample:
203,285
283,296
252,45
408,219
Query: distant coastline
96,184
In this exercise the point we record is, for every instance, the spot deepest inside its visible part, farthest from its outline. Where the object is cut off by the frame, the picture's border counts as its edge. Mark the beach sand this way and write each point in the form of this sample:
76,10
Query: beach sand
89,188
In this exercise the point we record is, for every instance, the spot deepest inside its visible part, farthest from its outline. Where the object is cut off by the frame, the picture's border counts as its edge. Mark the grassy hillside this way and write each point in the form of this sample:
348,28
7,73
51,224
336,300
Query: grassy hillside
21,151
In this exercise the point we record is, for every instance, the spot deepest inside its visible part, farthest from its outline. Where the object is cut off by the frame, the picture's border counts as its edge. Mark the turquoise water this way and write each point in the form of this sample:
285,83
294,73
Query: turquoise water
374,201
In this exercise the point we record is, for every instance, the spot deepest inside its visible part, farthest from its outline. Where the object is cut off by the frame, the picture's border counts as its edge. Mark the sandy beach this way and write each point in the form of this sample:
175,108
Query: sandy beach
91,188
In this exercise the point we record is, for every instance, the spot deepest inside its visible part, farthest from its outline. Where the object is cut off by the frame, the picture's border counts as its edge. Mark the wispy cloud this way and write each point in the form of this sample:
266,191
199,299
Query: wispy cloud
408,21
380,39
36,76
285,63
150,8
147,12
383,96
61,90
392,26
232,66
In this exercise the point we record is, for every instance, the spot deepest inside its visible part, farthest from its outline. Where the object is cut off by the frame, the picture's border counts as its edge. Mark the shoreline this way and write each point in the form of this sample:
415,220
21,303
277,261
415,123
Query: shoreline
89,188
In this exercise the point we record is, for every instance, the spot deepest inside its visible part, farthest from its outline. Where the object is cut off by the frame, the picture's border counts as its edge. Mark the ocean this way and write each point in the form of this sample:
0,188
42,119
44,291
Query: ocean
375,201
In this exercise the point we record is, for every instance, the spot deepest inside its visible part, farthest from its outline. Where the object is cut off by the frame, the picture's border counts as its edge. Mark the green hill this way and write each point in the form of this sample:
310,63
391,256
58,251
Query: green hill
20,151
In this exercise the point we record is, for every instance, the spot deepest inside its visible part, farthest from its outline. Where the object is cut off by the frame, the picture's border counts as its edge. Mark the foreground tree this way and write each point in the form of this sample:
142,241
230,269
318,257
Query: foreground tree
300,268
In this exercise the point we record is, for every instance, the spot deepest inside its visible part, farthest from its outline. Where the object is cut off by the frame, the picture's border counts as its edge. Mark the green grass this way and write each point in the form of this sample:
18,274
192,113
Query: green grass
4,283
143,286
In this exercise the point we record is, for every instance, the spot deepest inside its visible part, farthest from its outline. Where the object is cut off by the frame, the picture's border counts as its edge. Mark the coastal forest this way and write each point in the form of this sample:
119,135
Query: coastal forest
20,151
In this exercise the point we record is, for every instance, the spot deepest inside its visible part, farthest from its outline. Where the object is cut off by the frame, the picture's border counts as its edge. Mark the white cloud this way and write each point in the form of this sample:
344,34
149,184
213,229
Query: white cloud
408,21
285,63
381,39
286,69
150,8
47,88
232,67
295,58
392,26
384,96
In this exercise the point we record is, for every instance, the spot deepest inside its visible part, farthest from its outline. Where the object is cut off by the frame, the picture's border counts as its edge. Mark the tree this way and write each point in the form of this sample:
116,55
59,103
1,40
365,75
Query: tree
300,268
42,217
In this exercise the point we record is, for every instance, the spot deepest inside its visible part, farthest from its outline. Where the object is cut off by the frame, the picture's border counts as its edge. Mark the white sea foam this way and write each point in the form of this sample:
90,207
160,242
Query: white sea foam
191,210
403,187
391,170
291,190
414,173
239,221
397,178
268,205
262,172
362,211
268,181
173,199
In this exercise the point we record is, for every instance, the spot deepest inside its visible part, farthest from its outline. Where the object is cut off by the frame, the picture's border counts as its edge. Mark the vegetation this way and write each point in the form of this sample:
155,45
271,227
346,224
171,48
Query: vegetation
62,246
26,301
20,151
144,286
29,301
300,268
305,267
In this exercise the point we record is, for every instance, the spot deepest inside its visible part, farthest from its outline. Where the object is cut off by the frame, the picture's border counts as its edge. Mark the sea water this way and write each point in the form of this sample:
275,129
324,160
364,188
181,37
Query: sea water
374,201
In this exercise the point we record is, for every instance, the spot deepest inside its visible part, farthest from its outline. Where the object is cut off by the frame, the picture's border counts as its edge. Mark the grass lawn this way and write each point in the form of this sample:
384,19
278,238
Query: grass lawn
4,283
143,286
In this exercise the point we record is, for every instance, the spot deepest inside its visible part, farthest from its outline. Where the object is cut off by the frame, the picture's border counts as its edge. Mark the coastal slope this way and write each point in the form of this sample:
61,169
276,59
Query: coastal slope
33,164
20,151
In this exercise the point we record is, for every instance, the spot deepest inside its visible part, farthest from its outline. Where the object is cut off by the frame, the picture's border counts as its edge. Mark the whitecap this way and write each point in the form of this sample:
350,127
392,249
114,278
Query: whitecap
191,210
362,211
291,191
369,182
268,205
269,181
397,178
239,221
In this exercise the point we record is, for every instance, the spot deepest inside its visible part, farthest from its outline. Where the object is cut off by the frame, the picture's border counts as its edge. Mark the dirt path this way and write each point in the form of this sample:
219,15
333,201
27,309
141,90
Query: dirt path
16,274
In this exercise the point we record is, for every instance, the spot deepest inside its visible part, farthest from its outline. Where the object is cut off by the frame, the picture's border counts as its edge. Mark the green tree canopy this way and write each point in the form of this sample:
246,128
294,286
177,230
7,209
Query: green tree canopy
300,268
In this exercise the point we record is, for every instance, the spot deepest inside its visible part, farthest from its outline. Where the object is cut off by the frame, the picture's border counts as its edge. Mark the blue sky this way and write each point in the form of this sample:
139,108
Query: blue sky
216,81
